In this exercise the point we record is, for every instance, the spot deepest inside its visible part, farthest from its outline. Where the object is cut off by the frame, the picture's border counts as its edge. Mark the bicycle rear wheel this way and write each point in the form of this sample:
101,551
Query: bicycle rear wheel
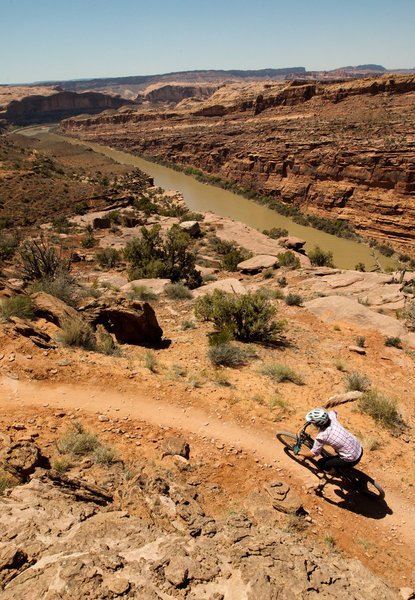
363,483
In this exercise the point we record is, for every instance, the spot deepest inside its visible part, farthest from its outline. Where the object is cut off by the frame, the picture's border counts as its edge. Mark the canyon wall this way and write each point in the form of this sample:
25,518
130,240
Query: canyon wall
343,150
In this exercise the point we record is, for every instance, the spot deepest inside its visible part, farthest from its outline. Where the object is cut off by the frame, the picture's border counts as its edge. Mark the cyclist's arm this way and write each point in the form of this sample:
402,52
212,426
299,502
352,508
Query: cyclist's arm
306,453
315,451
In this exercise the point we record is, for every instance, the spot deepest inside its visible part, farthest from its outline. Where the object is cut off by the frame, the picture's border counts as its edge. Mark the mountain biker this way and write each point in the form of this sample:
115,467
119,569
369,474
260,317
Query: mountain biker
348,448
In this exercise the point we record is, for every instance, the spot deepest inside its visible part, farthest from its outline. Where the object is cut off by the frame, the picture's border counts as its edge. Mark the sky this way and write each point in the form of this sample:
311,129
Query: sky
44,40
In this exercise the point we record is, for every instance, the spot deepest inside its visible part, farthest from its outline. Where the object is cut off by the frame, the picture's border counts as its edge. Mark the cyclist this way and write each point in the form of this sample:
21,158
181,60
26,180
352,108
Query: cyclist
348,448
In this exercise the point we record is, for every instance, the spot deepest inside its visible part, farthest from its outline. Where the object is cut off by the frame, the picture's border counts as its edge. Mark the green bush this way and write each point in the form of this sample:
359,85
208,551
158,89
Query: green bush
77,443
177,291
151,256
104,455
320,258
228,355
17,306
288,259
231,253
360,341
355,381
8,246
276,232
386,250
142,292
293,299
186,324
360,267
279,373
396,342
249,317
381,409
108,258
62,287
150,361
78,333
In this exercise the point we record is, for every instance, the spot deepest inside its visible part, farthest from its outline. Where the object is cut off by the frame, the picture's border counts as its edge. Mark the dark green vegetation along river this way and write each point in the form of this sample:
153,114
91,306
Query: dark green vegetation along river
202,197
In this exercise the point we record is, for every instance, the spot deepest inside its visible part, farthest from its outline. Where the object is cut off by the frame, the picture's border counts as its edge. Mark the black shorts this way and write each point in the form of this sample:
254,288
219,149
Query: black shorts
331,462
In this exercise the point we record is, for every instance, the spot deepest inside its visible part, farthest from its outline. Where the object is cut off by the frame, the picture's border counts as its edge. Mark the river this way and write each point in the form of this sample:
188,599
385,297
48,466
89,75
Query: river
203,197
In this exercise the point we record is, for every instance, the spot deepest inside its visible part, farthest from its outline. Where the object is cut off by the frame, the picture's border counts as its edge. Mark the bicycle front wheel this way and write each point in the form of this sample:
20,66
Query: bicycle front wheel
288,439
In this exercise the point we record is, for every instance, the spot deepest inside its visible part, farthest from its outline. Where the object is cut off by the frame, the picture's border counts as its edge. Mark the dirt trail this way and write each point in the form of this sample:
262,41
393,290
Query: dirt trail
398,521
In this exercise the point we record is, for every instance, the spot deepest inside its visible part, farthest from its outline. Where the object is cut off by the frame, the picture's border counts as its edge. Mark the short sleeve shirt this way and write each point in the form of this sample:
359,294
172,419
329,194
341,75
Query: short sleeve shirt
335,435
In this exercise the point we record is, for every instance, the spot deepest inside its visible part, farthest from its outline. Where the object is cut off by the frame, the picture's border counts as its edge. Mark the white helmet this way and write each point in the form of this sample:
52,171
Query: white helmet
318,416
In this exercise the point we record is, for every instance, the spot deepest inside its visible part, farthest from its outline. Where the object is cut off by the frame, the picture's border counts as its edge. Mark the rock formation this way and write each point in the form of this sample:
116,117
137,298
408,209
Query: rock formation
338,150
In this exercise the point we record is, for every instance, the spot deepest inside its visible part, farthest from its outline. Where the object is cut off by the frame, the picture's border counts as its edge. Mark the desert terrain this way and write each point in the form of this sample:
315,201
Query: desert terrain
184,490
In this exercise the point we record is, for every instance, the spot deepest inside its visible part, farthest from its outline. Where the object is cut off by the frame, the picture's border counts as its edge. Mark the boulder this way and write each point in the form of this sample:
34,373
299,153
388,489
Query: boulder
112,279
131,322
101,223
291,242
175,446
191,227
341,308
52,309
230,285
29,330
283,498
257,263
154,285
21,459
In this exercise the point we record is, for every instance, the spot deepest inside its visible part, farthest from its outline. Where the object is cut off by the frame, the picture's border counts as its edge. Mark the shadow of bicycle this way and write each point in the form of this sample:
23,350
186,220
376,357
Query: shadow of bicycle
348,498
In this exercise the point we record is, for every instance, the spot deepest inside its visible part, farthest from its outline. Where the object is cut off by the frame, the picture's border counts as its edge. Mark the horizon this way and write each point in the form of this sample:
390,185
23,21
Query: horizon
90,39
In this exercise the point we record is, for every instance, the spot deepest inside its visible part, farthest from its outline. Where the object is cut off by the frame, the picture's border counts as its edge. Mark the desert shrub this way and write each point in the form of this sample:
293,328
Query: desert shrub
77,443
186,324
276,232
229,355
177,291
108,258
282,282
370,443
340,365
381,409
268,273
320,258
360,267
142,292
271,294
61,465
248,317
40,261
279,373
191,216
61,224
231,253
103,455
360,341
355,381
17,306
89,241
385,249
80,208
62,286
8,246
409,314
209,277
293,299
150,361
106,345
396,342
151,256
76,332
288,259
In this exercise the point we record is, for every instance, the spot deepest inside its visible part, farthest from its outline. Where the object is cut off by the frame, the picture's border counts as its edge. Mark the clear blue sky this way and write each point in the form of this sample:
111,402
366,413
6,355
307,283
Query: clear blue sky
73,39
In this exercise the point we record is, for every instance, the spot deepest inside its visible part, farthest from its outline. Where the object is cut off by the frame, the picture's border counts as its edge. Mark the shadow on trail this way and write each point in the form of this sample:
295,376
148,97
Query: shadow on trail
348,497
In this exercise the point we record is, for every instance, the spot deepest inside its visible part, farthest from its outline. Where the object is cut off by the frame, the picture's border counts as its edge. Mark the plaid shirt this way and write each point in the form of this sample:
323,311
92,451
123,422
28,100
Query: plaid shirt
344,443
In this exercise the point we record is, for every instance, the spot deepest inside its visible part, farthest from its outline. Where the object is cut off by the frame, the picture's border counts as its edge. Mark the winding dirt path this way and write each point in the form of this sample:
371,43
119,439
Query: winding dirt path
396,517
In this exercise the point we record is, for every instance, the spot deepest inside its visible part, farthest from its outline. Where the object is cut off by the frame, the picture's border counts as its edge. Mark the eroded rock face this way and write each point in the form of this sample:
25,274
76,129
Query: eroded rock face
341,164
131,322
74,551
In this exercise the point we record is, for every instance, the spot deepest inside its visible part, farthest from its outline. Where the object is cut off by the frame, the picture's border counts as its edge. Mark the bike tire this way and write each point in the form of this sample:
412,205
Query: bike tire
363,483
289,440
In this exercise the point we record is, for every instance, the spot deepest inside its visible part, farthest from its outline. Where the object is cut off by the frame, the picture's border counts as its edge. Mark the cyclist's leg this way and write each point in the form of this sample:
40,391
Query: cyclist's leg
332,462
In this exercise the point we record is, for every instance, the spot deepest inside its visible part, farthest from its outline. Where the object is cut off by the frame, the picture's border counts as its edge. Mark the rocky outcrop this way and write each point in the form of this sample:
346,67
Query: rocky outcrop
54,107
131,322
52,547
174,93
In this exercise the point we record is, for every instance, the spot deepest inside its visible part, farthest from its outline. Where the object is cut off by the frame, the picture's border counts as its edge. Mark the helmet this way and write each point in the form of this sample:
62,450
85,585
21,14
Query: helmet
318,416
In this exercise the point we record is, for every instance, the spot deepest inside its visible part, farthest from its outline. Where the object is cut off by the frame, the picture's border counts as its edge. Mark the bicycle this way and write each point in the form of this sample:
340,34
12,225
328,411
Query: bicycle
362,483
